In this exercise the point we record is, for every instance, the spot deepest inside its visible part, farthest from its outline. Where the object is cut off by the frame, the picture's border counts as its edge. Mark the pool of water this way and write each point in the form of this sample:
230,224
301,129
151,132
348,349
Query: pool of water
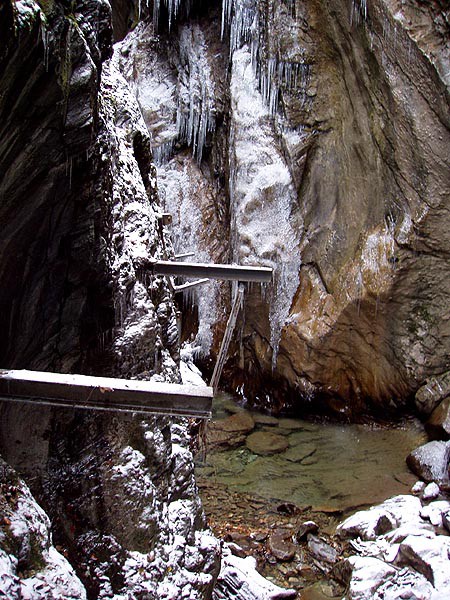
327,466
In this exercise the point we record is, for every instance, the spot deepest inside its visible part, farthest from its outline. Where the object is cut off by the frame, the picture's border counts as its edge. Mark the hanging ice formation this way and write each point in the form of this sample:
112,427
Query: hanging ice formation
196,101
262,193
358,11
240,19
173,8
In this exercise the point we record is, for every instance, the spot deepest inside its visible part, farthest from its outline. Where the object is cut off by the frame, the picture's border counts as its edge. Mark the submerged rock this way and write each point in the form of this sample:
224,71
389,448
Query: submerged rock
266,420
266,443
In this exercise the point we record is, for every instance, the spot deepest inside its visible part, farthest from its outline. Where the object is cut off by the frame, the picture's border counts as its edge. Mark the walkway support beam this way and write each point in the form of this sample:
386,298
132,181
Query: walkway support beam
238,302
211,271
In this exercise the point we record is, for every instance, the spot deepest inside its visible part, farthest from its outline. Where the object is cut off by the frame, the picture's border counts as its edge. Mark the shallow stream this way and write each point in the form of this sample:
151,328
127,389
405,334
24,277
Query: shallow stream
325,471
328,466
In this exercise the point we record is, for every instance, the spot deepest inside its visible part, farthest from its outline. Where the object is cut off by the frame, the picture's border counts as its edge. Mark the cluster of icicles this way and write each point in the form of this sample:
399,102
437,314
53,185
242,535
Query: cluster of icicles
196,112
196,116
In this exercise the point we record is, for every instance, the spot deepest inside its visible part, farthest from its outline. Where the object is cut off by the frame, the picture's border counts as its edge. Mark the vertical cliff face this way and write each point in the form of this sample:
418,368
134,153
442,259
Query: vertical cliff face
80,219
50,68
369,318
321,131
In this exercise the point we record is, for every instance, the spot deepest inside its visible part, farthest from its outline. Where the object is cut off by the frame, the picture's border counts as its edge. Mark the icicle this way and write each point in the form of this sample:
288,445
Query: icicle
163,153
45,42
196,107
173,8
226,15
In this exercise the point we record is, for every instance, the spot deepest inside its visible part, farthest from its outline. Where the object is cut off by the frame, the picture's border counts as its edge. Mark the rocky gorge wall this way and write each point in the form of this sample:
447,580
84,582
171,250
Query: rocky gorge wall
311,137
79,213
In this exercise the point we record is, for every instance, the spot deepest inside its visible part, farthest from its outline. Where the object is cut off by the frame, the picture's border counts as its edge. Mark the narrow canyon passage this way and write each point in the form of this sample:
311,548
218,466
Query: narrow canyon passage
309,137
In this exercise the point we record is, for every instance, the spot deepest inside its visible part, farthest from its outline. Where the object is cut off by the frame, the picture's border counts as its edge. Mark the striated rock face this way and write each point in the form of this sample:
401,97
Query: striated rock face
369,317
322,129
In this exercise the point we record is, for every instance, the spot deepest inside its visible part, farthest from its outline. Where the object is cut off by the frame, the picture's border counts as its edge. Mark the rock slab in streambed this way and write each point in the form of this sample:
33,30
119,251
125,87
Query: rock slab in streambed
430,462
265,443
241,422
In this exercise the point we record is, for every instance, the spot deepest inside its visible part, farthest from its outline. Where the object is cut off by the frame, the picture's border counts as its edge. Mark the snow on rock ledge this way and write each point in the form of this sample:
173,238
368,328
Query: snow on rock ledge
402,552
239,580
30,566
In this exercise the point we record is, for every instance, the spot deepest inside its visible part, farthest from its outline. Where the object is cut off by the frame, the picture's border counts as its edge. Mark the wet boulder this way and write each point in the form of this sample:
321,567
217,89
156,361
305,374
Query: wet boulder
265,443
430,462
281,546
438,425
321,550
306,528
430,395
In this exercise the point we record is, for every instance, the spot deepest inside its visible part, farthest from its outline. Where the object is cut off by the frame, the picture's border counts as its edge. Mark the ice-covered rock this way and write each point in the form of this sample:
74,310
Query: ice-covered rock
411,560
239,579
431,491
262,194
435,512
373,579
369,524
430,557
30,566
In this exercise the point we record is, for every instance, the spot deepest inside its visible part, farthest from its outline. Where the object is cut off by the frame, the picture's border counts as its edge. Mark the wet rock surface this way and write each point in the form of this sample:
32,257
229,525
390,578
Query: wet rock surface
261,530
245,123
119,490
439,422
431,462
431,394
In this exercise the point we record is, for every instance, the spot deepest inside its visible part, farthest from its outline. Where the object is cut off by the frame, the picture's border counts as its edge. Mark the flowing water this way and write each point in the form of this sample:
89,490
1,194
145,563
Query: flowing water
328,466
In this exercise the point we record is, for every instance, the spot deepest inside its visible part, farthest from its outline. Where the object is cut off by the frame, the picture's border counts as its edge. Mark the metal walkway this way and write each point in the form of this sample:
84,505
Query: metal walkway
105,393
134,396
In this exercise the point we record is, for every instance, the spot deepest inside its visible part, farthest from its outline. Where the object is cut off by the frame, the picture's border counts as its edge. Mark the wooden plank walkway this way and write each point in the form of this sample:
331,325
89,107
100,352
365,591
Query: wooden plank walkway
211,271
105,393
